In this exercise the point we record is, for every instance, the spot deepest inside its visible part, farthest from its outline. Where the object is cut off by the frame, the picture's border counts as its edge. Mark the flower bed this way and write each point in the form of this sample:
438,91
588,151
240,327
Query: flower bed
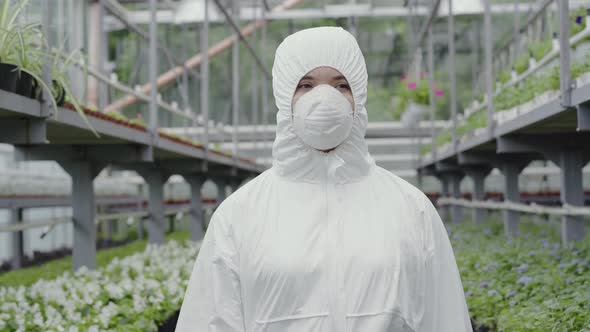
529,284
134,293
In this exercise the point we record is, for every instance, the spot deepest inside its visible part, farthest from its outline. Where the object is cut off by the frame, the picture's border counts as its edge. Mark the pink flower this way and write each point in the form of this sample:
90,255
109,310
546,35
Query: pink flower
439,93
139,116
412,86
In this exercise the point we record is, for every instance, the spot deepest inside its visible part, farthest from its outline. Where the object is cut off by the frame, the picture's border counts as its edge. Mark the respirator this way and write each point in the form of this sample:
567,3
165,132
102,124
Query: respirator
323,117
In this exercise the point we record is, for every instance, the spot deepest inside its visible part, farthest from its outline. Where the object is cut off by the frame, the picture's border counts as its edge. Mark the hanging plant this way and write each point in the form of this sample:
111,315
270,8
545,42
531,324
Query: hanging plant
416,92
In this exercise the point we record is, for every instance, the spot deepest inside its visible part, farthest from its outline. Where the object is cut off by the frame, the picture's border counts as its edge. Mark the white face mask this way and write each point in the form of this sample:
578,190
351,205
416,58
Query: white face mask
323,117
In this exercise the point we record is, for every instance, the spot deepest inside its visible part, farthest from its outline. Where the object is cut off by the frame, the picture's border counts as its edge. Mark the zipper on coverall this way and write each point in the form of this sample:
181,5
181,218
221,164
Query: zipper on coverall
336,294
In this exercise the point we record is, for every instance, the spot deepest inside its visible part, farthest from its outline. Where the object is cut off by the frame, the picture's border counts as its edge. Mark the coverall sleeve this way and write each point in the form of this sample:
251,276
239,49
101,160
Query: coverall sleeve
445,308
212,302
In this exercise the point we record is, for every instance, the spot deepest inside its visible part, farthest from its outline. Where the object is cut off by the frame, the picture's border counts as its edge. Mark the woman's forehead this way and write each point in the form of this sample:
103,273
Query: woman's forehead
324,74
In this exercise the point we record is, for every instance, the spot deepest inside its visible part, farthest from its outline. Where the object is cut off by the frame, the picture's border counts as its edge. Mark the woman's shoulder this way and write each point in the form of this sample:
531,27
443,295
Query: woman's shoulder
240,197
399,184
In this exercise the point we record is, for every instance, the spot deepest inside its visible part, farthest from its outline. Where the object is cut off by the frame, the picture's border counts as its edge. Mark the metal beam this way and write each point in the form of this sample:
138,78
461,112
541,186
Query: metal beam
236,28
565,80
171,75
122,15
331,11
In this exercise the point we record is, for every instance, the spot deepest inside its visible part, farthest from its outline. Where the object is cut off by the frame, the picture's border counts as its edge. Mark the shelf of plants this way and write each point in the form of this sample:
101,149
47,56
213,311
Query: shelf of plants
531,85
24,49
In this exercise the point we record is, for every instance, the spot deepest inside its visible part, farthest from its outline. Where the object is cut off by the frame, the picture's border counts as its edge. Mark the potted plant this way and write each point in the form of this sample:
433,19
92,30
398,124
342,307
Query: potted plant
414,97
16,55
24,49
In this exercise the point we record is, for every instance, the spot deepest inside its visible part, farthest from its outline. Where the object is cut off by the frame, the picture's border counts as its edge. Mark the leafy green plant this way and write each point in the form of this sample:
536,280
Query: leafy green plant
138,121
530,283
417,92
521,64
116,115
540,48
577,20
25,46
504,77
444,137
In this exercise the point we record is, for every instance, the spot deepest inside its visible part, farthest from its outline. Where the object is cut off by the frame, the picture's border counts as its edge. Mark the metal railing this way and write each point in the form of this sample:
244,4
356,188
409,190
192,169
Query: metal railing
533,208
52,222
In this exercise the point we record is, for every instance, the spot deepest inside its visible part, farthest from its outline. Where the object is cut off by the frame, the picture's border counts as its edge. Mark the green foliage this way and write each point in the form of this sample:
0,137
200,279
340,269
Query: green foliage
426,149
53,269
476,120
540,48
527,90
503,77
116,115
25,46
528,284
577,20
521,64
379,107
408,91
444,137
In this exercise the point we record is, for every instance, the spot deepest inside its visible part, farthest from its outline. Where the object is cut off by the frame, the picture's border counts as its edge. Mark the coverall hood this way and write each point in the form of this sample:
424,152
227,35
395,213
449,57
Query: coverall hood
296,56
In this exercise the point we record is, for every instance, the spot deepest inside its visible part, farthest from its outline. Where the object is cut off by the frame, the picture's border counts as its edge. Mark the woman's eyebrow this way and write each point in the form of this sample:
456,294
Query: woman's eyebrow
337,78
306,78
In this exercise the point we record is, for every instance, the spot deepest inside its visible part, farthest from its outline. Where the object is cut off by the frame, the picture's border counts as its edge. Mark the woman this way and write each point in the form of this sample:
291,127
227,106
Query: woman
325,240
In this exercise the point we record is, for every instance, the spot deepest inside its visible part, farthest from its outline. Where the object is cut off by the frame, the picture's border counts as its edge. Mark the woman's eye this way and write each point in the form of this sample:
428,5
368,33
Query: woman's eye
343,86
305,86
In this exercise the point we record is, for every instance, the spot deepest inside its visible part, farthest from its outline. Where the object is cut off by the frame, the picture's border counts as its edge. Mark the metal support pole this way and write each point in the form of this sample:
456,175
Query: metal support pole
516,32
221,190
156,179
452,73
489,71
205,77
83,211
153,68
235,85
197,221
46,107
95,53
264,85
254,90
564,54
17,239
511,170
478,175
456,210
430,68
475,35
444,181
572,193
77,23
139,224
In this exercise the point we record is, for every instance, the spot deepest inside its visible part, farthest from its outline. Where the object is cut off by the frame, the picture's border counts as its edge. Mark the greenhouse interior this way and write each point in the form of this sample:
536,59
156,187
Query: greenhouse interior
125,124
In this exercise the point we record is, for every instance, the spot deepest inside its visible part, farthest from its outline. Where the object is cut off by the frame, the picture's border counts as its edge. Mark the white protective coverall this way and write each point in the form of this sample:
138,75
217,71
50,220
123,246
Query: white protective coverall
324,242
